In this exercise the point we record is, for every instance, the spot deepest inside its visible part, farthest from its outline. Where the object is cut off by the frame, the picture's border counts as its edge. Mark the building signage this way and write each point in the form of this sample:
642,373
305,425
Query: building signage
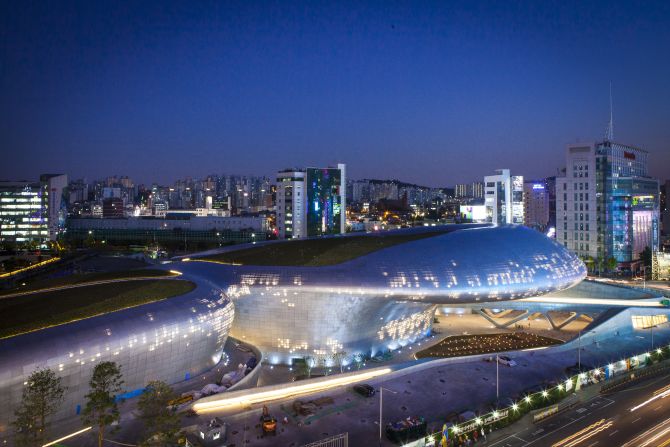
538,186
486,420
545,413
629,155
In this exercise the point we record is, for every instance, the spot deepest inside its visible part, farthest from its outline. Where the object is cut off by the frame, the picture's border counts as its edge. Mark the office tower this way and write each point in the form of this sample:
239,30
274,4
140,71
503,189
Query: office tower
504,198
536,204
24,213
607,206
665,210
55,184
311,202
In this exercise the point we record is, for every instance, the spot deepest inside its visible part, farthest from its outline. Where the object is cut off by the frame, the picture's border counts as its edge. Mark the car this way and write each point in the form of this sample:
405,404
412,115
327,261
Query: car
364,390
505,360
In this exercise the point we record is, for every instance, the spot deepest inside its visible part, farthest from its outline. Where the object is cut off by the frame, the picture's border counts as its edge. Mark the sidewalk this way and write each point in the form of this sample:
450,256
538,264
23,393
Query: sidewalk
526,422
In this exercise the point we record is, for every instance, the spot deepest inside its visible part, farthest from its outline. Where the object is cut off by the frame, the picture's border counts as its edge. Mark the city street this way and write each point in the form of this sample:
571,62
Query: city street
606,421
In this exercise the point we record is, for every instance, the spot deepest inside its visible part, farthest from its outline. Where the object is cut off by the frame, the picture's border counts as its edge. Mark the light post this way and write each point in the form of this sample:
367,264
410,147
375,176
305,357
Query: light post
579,349
651,329
497,383
381,402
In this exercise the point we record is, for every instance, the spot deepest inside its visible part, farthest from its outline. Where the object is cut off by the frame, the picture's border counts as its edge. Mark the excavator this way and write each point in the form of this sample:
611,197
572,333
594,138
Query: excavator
268,422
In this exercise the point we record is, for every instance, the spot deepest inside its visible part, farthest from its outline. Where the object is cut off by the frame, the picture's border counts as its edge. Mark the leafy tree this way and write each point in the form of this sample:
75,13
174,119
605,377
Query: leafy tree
358,360
42,396
611,264
339,359
645,256
101,408
160,419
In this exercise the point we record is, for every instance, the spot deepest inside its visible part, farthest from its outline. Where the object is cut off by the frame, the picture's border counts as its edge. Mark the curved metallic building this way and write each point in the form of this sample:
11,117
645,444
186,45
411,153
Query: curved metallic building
167,340
387,298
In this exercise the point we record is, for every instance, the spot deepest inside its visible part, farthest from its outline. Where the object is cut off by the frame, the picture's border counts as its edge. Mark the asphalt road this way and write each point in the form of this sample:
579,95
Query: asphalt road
636,417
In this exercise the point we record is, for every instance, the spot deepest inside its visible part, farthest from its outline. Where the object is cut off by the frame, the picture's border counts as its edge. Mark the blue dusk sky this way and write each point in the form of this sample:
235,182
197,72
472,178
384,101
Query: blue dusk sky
433,93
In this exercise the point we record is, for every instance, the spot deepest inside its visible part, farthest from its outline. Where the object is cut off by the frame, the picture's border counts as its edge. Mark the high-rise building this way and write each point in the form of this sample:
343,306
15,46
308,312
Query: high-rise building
504,198
665,210
311,202
24,212
607,206
478,190
536,204
55,184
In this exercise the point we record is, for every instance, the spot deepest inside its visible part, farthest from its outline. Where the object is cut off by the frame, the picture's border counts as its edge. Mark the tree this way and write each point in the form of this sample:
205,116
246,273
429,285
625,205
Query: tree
645,256
101,407
339,358
358,360
611,264
42,397
309,364
159,417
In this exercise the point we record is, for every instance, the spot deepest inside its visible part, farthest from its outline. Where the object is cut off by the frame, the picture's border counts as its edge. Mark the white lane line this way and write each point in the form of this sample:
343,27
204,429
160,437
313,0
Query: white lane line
614,432
553,431
636,420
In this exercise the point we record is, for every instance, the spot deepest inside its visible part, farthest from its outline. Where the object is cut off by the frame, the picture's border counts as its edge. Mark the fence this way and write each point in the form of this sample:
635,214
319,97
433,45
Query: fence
341,440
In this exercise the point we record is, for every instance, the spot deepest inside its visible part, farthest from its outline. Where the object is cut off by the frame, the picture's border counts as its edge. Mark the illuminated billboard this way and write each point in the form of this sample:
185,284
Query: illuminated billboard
474,213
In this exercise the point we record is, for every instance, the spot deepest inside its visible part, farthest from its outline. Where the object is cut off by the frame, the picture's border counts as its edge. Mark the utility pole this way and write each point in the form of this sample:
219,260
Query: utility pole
381,402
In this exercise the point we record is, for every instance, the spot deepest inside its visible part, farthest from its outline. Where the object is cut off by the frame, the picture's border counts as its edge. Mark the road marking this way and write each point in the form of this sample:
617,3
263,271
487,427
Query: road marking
520,439
658,408
636,420
614,432
548,433
581,410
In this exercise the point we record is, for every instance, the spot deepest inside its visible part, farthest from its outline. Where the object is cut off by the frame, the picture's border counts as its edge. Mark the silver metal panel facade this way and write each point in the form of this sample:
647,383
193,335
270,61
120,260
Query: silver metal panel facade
385,299
286,325
166,340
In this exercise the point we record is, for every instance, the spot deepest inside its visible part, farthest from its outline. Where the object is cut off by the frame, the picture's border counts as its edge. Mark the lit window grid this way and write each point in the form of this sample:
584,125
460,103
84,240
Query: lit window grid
158,341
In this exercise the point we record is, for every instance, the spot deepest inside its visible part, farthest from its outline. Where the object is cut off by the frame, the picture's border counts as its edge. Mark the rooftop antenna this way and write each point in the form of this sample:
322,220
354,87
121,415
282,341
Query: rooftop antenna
609,135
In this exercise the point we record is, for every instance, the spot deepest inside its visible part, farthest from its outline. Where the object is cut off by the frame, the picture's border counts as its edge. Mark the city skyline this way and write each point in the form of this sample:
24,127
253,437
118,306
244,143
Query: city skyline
435,95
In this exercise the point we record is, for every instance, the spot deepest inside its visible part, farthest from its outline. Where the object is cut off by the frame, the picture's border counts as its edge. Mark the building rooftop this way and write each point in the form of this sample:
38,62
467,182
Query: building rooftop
323,251
60,304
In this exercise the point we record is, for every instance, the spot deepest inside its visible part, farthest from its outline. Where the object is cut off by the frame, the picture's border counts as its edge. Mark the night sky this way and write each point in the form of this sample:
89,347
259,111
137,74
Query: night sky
431,93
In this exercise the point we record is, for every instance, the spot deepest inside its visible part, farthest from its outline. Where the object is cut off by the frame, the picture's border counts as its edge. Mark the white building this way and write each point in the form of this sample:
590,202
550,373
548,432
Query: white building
291,209
504,198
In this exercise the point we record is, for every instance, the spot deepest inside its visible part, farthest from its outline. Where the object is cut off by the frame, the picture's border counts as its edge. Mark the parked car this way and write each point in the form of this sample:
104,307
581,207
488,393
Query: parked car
364,390
505,360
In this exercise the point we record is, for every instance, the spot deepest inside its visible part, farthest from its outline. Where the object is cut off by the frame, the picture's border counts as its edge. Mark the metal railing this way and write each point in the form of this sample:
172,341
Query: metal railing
341,440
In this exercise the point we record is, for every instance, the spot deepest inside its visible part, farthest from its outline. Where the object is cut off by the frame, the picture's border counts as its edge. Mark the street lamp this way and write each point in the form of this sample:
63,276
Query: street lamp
579,349
381,401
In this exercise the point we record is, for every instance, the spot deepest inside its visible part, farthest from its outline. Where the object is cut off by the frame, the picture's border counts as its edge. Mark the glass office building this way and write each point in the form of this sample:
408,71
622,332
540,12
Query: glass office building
324,201
24,212
629,202
607,205
311,202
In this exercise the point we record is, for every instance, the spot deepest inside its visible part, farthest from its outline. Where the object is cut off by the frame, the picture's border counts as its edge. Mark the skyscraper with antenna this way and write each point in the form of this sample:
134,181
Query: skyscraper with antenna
609,133
607,205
